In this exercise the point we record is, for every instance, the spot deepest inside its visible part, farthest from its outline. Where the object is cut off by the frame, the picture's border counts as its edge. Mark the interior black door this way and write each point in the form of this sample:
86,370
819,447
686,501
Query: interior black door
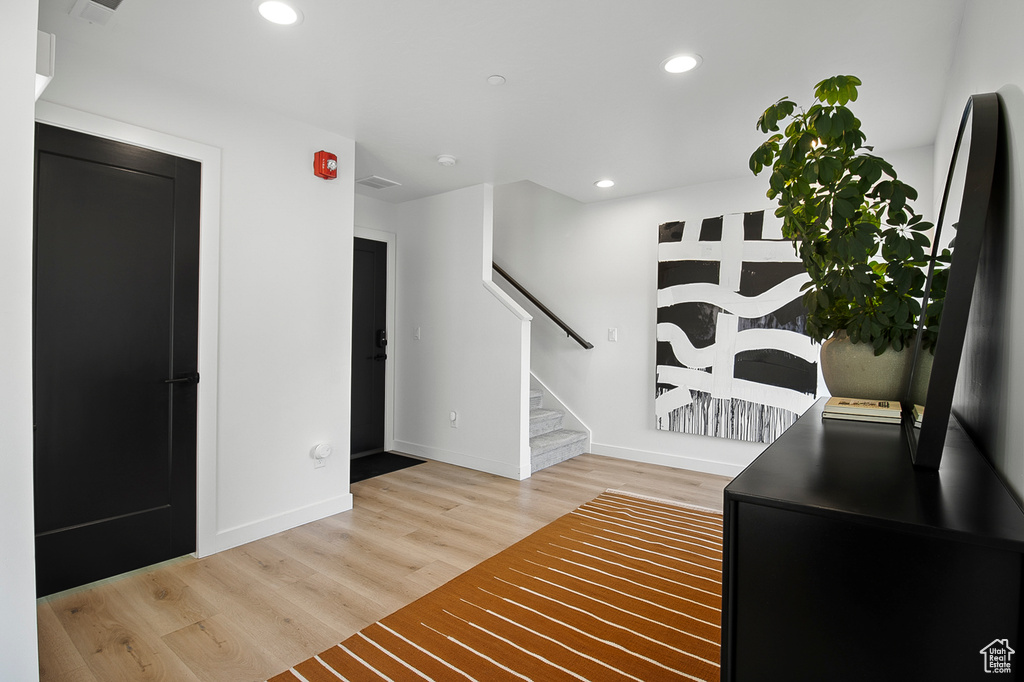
115,357
369,345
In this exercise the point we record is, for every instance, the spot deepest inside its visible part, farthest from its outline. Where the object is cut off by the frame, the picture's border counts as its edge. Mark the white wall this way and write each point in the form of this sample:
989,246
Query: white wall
285,253
595,266
990,58
472,356
17,568
375,214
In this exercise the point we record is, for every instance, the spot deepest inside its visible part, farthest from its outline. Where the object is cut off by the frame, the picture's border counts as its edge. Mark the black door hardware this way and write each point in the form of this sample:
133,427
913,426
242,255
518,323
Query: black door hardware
192,378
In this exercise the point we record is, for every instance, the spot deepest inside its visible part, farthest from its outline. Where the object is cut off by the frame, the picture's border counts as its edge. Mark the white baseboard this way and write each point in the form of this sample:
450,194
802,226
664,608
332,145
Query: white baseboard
463,460
239,535
676,461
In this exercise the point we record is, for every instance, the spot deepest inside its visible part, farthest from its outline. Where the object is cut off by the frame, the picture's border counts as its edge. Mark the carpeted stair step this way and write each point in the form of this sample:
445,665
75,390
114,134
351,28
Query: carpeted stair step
544,421
554,447
536,397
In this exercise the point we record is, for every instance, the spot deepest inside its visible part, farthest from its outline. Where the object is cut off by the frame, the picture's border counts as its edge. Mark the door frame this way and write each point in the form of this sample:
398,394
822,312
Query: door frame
209,289
391,239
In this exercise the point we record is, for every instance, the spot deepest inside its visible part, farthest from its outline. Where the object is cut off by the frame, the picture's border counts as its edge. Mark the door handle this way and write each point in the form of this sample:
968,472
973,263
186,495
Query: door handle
192,378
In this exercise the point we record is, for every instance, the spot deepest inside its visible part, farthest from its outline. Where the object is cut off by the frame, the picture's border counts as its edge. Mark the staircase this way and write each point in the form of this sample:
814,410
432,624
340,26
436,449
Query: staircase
549,442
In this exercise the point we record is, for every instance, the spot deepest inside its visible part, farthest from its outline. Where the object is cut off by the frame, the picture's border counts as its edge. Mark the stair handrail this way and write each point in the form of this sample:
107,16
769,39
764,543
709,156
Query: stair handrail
570,332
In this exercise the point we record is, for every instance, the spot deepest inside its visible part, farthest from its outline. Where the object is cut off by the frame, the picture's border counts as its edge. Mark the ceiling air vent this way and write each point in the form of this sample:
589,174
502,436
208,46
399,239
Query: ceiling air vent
95,11
377,182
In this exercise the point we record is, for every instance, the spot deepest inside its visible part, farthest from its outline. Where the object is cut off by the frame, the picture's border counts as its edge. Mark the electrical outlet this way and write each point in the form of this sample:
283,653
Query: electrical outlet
416,333
613,334
453,419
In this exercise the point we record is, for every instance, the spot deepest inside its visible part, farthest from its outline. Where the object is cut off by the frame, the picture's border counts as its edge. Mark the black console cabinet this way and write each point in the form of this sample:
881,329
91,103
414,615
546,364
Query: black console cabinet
843,562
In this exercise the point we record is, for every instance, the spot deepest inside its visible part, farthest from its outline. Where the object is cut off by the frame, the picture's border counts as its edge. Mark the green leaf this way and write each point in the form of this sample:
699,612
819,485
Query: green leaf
847,121
756,162
879,344
870,172
895,216
865,236
824,210
810,301
898,198
855,137
806,143
769,120
904,280
826,90
823,125
810,175
843,208
902,250
903,312
786,153
829,170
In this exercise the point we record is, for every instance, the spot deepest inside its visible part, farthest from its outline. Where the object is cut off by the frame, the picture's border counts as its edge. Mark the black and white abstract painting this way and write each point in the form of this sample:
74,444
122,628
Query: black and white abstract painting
733,359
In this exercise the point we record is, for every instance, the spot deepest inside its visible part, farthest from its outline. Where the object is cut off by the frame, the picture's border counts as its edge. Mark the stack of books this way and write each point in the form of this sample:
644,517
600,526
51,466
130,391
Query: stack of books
858,409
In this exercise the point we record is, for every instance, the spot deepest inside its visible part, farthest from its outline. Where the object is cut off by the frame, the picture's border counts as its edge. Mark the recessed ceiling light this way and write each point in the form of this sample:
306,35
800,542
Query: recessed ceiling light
681,63
605,184
278,12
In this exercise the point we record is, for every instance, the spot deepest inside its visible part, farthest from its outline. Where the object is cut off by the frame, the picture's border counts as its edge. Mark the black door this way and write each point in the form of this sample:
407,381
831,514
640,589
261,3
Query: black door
115,357
369,345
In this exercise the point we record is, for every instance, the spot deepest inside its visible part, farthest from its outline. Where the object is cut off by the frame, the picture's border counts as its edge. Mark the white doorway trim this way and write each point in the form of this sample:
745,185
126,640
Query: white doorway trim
209,288
391,239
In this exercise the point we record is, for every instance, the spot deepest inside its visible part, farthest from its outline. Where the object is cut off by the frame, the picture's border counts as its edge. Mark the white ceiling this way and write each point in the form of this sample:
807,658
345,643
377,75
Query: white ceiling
585,97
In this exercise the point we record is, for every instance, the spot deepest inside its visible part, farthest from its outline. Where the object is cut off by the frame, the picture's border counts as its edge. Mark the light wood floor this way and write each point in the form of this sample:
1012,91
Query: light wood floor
256,610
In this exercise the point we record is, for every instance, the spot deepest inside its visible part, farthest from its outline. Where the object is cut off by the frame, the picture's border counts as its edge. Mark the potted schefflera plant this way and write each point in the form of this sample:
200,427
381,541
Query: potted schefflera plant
854,228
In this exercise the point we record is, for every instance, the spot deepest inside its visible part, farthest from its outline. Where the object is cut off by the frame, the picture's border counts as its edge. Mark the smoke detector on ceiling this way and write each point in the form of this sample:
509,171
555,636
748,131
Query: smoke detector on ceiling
446,160
95,11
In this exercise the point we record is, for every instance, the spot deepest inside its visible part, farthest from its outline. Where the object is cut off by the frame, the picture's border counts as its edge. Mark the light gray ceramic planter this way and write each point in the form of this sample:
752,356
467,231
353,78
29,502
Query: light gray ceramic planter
852,370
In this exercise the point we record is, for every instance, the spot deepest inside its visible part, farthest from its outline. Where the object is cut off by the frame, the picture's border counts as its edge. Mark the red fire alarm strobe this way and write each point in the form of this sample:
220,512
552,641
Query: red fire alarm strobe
325,165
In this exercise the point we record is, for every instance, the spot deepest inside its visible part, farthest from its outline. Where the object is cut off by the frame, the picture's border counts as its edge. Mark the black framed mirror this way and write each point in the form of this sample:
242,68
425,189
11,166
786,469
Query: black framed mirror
964,207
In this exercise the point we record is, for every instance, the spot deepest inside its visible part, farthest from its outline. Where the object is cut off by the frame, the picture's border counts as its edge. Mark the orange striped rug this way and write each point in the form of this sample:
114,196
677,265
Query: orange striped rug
623,588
